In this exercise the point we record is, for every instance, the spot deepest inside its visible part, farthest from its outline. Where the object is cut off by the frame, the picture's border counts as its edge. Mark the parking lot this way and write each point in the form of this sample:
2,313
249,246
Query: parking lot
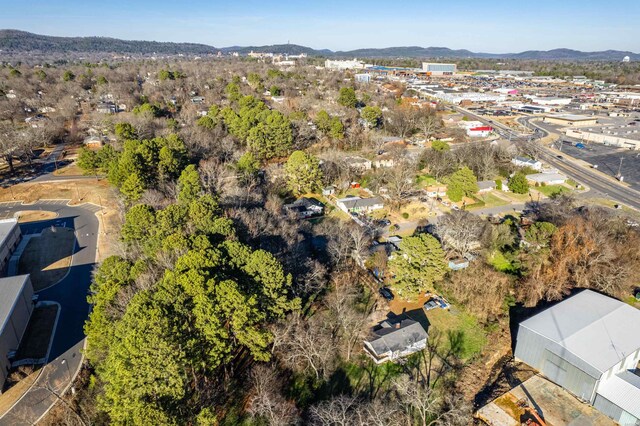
607,159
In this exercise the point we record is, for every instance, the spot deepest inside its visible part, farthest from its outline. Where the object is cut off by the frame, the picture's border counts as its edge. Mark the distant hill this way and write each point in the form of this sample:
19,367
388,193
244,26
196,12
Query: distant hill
14,41
21,41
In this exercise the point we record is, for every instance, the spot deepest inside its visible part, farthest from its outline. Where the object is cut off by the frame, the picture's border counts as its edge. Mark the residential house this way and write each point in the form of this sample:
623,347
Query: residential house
395,338
383,161
94,141
358,163
360,205
17,305
588,344
485,186
305,207
458,264
527,162
547,178
329,190
106,107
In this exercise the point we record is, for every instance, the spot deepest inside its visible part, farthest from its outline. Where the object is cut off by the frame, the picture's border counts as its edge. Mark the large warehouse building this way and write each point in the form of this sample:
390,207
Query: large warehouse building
9,238
438,69
589,344
16,306
573,120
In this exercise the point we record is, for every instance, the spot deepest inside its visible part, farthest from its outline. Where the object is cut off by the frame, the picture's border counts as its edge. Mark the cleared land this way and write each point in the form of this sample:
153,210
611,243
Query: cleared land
47,257
35,216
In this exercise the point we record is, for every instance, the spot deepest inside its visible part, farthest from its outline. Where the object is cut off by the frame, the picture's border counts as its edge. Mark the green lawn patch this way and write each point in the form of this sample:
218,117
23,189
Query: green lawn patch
489,200
469,335
425,180
552,190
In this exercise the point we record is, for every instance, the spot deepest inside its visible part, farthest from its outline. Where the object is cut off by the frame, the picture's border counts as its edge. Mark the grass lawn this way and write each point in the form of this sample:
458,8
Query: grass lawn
490,200
16,390
35,341
47,257
551,190
422,181
518,198
472,336
69,170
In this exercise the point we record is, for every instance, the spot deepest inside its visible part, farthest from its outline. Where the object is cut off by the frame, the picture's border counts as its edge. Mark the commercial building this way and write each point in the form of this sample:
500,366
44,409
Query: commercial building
623,138
573,120
9,238
16,306
363,78
438,69
343,64
588,344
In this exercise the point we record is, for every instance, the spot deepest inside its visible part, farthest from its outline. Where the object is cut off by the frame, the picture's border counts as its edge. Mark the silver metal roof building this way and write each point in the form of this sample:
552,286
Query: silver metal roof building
586,344
16,306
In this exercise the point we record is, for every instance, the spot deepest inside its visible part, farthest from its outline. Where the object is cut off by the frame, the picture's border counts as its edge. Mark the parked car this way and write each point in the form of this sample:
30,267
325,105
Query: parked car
384,222
455,207
386,293
431,304
446,203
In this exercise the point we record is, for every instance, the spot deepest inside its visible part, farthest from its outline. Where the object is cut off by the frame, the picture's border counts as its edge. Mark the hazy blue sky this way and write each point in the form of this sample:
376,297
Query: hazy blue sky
495,26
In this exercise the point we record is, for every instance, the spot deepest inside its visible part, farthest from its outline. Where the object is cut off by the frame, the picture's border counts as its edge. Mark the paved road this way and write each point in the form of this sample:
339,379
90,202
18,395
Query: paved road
71,293
600,185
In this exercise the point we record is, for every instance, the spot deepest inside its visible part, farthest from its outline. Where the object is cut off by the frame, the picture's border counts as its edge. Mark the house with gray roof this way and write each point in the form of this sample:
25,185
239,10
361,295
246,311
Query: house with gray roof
589,344
360,205
395,338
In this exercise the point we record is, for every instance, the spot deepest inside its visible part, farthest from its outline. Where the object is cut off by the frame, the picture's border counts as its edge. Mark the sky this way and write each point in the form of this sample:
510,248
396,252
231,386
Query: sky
494,26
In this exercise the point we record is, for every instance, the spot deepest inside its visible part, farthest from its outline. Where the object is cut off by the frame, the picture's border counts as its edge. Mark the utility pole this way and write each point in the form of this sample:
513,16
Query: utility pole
619,175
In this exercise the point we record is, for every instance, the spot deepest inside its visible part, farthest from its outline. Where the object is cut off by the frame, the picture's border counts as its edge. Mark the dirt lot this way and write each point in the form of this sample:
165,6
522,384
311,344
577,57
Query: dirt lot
47,257
554,404
98,192
35,216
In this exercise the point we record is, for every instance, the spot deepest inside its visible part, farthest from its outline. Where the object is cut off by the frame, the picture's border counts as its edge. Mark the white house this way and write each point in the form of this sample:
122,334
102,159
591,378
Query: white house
343,65
359,205
485,186
547,178
590,345
527,162
395,338
358,163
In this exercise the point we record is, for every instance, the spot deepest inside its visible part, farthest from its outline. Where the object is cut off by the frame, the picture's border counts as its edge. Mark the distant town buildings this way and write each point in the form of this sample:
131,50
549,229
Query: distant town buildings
344,64
438,69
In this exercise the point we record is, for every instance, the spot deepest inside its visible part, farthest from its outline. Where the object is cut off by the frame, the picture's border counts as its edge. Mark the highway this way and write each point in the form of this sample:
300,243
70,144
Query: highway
599,185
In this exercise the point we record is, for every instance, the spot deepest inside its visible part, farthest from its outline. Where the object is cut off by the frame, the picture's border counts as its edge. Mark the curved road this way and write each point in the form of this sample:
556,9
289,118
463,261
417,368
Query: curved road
65,357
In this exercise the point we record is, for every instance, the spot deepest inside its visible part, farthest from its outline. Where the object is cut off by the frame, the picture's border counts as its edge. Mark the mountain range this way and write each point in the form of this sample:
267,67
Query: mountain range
15,41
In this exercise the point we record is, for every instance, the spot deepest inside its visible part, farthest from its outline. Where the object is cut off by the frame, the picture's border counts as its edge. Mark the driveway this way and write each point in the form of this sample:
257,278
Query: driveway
65,357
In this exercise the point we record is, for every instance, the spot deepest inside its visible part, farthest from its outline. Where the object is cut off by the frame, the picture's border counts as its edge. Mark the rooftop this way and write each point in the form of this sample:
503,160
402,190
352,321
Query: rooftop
392,336
572,117
598,329
10,289
6,227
